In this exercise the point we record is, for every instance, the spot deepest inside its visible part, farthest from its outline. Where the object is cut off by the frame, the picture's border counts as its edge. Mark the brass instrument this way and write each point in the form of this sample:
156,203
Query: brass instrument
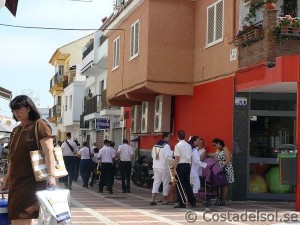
97,171
177,182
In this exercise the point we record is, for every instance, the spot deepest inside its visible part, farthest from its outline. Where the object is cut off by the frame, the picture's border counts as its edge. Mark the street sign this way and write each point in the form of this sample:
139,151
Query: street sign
4,93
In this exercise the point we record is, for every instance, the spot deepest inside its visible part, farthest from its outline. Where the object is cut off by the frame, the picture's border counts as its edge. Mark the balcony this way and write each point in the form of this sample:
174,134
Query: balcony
94,56
274,42
96,107
56,84
69,77
54,112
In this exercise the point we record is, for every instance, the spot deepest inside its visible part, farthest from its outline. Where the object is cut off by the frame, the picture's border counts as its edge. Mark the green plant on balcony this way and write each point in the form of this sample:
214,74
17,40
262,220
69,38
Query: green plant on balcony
287,28
249,34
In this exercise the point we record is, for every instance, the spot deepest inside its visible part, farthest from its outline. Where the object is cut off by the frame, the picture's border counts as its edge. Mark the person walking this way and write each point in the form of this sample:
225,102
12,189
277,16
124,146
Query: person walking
126,155
76,162
85,163
23,204
182,169
69,150
198,156
106,155
162,155
223,157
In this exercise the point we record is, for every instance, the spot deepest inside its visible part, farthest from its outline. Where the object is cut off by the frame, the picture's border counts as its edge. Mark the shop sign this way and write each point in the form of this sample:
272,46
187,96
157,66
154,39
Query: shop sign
118,124
102,124
240,101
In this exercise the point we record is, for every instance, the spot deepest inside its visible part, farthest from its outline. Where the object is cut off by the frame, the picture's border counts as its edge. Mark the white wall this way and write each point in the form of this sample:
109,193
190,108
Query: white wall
70,116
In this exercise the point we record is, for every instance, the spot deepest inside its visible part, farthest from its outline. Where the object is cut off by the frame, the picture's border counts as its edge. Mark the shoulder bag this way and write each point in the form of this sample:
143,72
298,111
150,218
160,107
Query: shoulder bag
38,161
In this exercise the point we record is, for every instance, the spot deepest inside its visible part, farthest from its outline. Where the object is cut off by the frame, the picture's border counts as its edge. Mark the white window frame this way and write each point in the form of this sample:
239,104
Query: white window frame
134,40
66,103
116,53
215,41
70,102
61,69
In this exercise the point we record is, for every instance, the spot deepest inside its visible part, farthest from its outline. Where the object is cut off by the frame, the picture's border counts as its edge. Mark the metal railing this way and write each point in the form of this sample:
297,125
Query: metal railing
55,111
55,79
89,48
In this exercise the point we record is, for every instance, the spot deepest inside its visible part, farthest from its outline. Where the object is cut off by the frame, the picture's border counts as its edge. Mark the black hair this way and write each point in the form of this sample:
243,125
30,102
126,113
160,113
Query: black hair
125,141
218,141
25,101
201,139
193,138
112,144
181,134
84,143
96,150
165,134
68,134
106,142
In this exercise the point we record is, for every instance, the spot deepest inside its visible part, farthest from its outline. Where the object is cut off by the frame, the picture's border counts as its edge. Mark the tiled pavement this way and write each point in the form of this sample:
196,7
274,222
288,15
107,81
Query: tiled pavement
91,208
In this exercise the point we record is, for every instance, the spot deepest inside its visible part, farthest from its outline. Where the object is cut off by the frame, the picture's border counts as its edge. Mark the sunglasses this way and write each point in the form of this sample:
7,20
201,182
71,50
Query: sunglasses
18,110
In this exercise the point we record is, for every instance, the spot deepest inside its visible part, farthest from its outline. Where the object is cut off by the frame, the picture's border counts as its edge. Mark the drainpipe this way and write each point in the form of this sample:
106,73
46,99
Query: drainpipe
233,22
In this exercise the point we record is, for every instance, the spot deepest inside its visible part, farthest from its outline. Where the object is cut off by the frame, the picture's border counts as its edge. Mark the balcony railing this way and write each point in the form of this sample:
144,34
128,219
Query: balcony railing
276,41
89,48
83,124
249,34
55,79
92,105
68,78
55,111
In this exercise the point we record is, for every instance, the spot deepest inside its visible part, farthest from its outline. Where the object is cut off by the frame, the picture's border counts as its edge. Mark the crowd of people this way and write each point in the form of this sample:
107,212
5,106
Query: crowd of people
184,167
88,161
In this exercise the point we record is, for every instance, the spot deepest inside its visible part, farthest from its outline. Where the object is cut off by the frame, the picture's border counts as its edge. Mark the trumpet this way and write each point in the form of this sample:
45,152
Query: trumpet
177,182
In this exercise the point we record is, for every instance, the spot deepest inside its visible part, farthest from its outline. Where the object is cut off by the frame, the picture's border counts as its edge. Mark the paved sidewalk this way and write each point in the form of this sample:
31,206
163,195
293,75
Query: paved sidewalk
89,207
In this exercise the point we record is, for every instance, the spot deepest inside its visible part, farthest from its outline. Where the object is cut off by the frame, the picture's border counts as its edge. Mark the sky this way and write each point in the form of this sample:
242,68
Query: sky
25,53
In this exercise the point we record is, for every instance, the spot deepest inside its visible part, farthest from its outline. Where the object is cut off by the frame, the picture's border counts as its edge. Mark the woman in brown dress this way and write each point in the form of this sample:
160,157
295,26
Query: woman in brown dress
23,205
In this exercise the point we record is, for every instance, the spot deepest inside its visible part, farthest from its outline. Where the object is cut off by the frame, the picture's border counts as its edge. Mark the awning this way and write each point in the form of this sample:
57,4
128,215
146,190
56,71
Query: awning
12,5
4,93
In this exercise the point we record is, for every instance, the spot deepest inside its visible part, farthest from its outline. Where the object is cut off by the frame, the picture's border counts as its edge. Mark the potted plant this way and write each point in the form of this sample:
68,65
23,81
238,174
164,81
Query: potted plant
295,26
270,4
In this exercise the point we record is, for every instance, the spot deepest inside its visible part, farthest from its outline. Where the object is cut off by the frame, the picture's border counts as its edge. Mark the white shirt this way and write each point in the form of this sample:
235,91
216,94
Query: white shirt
164,154
196,168
84,152
184,151
126,152
95,158
92,149
106,154
66,151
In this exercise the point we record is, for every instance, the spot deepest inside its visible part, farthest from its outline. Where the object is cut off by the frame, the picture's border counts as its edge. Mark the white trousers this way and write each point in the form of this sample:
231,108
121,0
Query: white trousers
161,175
195,182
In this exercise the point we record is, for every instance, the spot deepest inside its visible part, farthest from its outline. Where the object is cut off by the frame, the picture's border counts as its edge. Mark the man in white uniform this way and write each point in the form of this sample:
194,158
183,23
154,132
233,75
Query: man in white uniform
161,154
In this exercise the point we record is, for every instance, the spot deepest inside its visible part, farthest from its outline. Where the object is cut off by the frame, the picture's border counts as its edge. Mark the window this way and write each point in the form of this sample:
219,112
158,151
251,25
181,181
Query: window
116,58
70,103
215,17
66,103
134,39
60,69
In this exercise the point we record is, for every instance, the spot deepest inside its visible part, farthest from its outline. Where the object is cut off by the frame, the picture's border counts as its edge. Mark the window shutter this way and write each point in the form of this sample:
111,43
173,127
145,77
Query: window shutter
219,20
132,41
210,24
136,37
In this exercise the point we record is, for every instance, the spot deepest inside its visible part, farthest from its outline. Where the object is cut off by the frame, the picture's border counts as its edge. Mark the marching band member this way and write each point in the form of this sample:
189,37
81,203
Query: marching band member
161,153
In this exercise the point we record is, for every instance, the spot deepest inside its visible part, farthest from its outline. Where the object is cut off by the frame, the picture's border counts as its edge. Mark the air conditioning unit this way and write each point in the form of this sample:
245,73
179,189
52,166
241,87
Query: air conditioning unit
147,117
162,113
136,118
92,124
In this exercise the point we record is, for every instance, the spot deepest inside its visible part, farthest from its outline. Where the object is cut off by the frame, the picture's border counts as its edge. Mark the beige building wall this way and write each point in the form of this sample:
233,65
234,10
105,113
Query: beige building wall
214,62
